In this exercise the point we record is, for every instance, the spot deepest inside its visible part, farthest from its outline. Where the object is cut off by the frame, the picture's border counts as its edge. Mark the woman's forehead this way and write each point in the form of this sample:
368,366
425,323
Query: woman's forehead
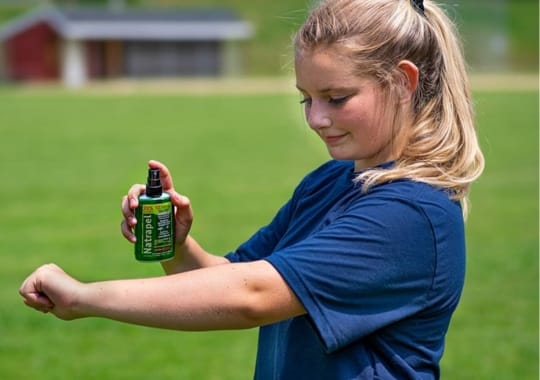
324,69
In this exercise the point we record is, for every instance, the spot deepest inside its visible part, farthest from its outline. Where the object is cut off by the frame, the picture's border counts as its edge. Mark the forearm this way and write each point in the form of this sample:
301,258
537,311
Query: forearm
189,256
168,302
221,297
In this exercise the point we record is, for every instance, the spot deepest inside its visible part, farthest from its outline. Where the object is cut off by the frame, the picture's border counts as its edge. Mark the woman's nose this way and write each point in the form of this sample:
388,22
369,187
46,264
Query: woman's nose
317,117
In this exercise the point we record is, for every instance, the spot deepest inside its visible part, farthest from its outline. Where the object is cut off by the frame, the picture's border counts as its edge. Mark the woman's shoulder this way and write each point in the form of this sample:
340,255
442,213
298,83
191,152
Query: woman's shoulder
412,189
430,199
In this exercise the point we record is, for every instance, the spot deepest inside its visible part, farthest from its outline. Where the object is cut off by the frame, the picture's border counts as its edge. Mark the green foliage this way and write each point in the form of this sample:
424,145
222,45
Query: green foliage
8,13
523,21
67,159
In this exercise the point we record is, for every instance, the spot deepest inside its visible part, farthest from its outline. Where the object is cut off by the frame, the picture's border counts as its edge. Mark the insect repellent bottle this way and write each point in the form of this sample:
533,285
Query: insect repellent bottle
155,222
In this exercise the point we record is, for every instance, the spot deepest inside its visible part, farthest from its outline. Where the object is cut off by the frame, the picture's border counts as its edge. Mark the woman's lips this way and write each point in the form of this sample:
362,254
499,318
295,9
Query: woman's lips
332,139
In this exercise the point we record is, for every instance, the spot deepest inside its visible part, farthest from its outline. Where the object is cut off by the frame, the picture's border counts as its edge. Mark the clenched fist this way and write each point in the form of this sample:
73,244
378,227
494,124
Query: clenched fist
50,289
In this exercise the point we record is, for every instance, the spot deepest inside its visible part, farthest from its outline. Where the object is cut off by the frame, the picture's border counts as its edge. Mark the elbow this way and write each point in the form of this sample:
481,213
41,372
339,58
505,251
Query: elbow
261,308
261,296
253,314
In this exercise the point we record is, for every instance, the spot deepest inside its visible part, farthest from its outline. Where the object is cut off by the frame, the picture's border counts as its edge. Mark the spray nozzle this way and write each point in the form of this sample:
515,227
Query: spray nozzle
153,184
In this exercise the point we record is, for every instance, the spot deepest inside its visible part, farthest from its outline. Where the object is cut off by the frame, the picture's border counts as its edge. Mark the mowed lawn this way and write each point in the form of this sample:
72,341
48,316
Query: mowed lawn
67,158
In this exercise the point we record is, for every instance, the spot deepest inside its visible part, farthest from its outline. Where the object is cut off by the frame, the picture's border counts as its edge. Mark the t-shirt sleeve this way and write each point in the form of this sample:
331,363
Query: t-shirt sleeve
371,266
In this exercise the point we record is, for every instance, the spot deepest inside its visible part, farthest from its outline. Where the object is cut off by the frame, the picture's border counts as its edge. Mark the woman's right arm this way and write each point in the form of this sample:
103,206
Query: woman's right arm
189,254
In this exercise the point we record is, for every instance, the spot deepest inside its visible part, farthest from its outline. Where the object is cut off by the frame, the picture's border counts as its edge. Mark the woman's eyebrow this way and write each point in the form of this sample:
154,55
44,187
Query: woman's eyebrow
330,89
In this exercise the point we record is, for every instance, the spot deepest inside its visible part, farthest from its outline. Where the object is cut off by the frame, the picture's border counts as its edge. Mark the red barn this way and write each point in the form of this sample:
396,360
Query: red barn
76,45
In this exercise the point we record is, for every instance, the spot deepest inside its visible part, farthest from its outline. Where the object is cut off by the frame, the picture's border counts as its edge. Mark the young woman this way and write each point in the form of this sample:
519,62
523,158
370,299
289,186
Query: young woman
358,274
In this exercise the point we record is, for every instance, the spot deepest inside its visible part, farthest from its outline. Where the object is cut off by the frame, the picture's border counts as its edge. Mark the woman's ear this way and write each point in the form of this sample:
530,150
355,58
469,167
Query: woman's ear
410,78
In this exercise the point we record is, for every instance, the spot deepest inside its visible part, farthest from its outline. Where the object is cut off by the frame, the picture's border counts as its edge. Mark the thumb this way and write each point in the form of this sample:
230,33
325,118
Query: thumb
164,174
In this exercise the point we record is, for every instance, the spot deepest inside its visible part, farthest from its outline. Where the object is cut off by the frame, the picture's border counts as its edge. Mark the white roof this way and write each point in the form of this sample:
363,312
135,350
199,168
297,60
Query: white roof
177,25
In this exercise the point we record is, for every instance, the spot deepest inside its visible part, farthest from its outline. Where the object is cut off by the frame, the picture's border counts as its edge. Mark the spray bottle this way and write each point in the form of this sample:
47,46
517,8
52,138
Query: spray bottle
155,222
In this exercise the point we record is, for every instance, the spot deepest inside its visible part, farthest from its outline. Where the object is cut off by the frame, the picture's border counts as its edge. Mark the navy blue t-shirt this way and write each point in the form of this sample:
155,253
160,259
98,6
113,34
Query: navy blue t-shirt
379,273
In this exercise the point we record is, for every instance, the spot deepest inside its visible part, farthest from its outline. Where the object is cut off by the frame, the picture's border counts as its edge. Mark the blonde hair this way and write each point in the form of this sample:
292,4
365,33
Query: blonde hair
442,147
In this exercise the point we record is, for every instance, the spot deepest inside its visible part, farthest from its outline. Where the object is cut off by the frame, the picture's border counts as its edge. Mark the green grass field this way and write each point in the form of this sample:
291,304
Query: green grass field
67,159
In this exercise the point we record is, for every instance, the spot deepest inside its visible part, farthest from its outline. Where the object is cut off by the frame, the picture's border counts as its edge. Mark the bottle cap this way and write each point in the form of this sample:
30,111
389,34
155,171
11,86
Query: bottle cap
153,184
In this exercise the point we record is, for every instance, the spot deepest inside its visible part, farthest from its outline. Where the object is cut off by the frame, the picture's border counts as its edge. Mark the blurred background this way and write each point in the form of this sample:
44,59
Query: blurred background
220,38
91,90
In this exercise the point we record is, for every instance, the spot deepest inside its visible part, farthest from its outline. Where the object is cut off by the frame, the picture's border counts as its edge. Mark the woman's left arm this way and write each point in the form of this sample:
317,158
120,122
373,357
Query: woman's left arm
233,296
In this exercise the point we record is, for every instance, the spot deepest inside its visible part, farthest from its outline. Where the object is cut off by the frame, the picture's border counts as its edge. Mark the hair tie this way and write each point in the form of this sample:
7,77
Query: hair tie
419,5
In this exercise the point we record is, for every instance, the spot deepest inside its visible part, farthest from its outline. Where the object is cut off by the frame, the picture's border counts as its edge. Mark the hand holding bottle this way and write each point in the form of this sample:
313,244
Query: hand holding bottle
183,211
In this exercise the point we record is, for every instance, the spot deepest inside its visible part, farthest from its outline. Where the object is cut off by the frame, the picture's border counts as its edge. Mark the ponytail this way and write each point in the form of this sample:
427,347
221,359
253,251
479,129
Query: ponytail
443,148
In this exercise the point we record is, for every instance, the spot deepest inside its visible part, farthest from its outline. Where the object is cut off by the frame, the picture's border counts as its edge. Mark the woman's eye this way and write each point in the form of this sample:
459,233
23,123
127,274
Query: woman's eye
335,101
338,100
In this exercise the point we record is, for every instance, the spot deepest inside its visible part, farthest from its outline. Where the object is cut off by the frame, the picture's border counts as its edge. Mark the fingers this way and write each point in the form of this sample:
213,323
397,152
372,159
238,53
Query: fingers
165,175
129,204
183,214
131,201
38,302
32,290
50,289
127,231
182,203
179,200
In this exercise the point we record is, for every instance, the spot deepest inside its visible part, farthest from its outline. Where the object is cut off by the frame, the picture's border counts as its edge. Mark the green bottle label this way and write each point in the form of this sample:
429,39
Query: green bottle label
154,231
